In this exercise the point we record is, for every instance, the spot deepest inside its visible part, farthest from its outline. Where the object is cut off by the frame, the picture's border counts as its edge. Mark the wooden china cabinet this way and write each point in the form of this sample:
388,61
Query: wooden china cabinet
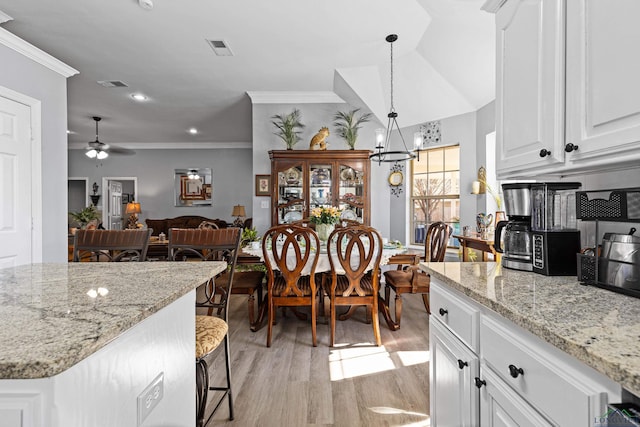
304,179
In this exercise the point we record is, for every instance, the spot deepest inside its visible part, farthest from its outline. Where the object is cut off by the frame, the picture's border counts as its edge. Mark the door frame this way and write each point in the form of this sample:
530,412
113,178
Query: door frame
105,191
86,186
35,107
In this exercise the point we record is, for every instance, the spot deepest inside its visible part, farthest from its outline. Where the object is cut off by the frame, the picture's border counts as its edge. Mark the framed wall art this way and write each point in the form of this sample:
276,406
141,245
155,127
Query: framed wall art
193,187
263,185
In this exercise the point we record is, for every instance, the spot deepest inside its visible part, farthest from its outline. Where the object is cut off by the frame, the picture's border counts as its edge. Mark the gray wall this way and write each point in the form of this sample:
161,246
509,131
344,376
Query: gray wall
231,168
23,75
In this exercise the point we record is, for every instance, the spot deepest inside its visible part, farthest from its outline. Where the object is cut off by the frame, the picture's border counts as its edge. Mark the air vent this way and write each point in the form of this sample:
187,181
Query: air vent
220,47
112,83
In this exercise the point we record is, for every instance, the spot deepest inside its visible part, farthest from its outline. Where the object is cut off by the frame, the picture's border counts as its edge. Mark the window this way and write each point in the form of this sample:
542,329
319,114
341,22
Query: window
435,190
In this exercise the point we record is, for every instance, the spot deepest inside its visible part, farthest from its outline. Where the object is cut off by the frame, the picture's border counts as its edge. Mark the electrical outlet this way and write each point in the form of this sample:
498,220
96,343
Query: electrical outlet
264,204
150,397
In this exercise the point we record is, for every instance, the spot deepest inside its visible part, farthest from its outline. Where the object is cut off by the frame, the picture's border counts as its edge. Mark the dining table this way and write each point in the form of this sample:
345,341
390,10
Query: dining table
323,266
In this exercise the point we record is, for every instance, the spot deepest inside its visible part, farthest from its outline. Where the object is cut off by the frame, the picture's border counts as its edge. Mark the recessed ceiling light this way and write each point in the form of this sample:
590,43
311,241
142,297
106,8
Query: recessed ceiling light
193,131
138,97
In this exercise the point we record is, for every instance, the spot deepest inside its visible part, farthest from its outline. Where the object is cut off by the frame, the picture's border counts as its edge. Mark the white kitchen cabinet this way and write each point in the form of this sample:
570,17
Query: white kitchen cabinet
511,378
530,85
603,81
591,122
501,406
454,397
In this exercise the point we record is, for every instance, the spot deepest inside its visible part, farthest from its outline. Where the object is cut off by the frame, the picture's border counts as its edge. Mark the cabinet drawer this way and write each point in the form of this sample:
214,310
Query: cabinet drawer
458,316
561,388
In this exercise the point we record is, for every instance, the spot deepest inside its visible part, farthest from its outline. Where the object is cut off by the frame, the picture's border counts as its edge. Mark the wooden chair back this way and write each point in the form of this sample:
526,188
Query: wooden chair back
435,243
208,224
112,245
208,244
289,250
285,250
352,250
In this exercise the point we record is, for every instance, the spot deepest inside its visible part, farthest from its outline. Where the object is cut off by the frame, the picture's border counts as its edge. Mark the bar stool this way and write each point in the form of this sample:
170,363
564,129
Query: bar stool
210,332
208,244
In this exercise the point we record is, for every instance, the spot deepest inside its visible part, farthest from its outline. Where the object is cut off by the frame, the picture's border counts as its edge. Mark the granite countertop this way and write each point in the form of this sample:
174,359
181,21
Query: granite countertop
55,315
598,327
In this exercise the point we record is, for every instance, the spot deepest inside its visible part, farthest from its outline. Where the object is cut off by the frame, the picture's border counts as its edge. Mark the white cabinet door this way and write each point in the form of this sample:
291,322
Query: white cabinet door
530,86
500,406
603,81
454,397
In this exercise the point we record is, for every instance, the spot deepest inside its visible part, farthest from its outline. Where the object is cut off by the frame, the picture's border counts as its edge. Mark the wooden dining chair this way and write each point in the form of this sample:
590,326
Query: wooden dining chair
210,244
111,245
408,278
354,254
286,252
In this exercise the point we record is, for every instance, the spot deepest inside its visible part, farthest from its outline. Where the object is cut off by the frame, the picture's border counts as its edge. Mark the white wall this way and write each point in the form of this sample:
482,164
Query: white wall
231,169
23,75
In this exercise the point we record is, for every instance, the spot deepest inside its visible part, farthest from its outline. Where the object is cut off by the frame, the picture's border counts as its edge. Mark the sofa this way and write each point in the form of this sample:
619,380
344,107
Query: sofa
186,221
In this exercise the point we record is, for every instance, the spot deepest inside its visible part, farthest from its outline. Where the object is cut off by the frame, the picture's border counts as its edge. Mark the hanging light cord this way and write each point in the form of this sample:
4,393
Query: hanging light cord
384,154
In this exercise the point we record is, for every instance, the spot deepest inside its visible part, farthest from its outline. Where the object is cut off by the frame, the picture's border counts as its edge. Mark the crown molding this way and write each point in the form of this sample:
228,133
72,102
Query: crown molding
279,97
4,17
169,145
14,42
492,6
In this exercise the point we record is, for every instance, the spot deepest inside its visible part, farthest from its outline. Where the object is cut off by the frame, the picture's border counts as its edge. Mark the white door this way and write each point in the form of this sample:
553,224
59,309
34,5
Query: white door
454,398
15,183
529,86
114,212
603,88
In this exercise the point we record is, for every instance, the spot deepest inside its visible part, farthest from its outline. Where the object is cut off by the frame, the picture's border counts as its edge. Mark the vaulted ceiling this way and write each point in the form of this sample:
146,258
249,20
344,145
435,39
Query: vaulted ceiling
444,60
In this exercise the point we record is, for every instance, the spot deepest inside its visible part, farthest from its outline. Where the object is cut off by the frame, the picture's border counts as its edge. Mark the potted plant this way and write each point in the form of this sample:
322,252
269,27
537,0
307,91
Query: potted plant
250,235
86,215
325,219
347,123
289,127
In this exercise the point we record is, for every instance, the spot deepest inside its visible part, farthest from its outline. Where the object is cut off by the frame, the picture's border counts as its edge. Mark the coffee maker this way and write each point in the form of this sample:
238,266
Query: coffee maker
556,239
517,249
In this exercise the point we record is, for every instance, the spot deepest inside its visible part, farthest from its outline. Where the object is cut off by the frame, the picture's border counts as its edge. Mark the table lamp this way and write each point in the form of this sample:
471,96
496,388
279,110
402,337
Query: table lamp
133,209
239,213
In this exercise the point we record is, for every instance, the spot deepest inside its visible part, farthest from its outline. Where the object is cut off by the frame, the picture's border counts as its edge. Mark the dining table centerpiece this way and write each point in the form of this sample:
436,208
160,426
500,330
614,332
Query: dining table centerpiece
325,219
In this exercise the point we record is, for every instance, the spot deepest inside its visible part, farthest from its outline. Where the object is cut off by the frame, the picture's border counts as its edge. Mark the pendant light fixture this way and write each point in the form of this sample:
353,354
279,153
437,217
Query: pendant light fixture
384,153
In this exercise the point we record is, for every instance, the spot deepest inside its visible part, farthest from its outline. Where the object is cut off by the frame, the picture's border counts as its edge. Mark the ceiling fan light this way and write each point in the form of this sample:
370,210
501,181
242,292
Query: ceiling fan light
91,153
102,155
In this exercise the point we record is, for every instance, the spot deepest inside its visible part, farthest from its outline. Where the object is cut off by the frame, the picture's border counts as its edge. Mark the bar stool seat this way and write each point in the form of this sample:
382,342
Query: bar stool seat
210,332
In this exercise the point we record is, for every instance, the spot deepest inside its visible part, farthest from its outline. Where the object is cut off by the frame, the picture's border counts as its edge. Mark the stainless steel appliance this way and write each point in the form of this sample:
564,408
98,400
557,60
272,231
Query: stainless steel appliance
556,239
516,232
620,262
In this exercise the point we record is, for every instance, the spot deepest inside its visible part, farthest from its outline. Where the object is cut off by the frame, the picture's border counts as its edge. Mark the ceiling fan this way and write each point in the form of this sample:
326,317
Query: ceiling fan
100,150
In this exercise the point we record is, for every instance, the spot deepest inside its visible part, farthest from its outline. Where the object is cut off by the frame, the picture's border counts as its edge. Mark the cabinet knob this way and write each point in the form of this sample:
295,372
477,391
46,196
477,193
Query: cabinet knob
442,311
462,364
570,147
544,152
479,382
514,371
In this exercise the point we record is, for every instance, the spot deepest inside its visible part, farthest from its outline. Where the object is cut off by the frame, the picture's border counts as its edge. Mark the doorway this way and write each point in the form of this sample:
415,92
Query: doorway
77,195
114,204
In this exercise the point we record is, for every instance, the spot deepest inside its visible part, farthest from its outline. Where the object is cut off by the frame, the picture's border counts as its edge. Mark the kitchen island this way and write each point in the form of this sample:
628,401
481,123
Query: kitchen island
80,342
597,332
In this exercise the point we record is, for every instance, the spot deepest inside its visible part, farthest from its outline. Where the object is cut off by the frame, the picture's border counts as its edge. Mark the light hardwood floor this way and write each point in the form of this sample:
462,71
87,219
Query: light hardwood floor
353,384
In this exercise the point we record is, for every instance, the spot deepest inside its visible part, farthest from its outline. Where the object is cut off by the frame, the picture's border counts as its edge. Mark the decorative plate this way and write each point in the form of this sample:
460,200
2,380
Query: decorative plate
348,214
347,174
292,175
291,216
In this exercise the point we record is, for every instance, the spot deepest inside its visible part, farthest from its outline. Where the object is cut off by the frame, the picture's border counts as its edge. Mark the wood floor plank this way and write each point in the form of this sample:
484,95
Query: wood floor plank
353,384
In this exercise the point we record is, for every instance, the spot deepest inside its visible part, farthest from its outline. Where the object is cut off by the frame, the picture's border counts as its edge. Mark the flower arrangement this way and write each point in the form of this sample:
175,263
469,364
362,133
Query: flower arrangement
325,215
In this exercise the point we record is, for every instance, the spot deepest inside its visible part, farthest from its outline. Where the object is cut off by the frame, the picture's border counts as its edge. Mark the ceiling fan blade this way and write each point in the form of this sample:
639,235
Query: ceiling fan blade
120,150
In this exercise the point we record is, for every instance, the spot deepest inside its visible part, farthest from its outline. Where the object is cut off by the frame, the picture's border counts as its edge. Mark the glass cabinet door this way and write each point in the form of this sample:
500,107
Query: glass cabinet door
320,185
291,197
351,192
